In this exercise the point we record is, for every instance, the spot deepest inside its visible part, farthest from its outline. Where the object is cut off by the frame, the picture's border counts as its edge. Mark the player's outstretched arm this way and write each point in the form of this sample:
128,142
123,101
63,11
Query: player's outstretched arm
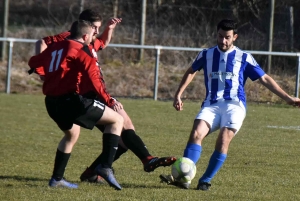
107,33
271,84
186,79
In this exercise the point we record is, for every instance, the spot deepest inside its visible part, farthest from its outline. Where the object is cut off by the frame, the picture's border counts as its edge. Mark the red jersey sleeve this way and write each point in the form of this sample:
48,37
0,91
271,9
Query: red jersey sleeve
91,78
98,44
35,63
56,38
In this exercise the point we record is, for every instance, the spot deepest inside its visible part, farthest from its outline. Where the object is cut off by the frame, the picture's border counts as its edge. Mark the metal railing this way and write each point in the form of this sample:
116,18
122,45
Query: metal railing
158,49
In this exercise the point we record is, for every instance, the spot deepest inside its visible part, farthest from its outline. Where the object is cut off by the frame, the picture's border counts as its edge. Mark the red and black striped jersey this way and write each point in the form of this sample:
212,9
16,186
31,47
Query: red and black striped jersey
69,66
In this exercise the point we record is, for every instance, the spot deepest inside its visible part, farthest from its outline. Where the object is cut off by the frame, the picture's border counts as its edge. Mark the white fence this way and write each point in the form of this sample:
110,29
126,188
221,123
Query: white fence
158,48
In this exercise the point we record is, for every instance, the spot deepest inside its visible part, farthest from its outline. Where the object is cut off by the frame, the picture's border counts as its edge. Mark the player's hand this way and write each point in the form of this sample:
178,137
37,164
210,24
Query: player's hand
117,106
112,22
178,104
294,102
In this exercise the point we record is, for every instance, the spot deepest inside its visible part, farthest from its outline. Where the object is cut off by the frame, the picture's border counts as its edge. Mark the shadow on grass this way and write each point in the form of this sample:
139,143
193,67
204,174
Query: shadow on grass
21,178
131,185
136,186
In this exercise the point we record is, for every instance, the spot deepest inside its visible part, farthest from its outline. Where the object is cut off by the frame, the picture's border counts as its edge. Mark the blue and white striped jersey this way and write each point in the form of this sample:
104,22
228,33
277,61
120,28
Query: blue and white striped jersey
225,73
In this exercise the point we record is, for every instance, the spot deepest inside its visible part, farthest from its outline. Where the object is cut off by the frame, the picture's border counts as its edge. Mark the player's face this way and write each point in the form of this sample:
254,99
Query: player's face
96,26
225,39
89,36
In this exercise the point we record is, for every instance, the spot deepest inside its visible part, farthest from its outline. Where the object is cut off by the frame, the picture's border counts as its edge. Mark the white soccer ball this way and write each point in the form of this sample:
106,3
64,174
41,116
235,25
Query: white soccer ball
184,170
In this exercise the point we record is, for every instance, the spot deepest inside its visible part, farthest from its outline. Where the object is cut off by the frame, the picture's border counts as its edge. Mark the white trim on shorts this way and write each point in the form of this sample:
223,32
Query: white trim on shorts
230,114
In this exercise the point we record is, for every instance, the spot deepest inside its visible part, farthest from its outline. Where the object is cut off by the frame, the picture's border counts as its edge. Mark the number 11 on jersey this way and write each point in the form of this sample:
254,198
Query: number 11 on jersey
54,54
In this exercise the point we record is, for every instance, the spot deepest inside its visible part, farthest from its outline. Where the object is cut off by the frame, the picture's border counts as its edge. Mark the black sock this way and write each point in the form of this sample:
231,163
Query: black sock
61,161
109,149
135,144
121,150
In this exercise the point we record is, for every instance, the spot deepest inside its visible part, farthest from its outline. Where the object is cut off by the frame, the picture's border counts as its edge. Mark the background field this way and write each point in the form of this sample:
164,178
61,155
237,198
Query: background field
262,164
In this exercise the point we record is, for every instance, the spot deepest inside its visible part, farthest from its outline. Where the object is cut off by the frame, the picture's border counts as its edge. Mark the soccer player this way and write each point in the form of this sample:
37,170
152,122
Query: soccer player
226,69
129,138
69,69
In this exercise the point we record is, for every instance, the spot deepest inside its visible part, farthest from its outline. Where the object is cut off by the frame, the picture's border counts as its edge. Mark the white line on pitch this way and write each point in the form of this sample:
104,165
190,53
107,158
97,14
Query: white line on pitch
286,127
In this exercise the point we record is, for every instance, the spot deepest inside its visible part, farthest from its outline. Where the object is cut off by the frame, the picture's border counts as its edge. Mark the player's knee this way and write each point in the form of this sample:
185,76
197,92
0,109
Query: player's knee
197,136
119,120
128,124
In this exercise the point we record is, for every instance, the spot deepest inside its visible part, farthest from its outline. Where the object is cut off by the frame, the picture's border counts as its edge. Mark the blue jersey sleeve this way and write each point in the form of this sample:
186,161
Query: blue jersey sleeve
253,70
199,61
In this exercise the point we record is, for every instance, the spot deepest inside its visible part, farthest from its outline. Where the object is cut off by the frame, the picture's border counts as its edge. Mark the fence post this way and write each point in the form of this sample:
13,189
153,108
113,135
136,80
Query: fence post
9,61
297,79
157,47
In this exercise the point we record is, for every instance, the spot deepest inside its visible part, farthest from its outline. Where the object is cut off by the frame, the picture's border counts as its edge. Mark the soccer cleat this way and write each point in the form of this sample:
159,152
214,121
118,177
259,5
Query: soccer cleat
90,176
204,186
157,162
170,180
61,183
108,175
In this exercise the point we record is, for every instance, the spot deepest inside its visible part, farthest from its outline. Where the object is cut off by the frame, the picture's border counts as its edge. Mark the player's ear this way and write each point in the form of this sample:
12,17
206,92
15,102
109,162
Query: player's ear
85,37
235,36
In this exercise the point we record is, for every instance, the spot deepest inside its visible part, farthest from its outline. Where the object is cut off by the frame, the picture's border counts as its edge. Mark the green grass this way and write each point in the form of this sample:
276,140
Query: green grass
262,164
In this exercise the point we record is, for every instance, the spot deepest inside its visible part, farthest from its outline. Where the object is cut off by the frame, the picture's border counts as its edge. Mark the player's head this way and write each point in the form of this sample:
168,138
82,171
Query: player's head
82,30
226,34
92,16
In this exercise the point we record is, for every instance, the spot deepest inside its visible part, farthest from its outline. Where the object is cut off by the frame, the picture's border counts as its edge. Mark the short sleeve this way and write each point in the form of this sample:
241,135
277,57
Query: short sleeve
199,61
253,70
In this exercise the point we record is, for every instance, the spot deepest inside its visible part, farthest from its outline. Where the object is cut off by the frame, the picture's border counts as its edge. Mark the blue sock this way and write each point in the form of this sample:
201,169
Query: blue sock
215,163
193,152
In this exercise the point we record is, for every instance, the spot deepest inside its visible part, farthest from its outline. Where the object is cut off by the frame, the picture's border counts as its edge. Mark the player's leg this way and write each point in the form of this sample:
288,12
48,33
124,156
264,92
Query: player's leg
138,147
130,139
193,148
99,114
104,125
121,147
70,138
218,157
63,154
206,121
231,121
111,137
61,110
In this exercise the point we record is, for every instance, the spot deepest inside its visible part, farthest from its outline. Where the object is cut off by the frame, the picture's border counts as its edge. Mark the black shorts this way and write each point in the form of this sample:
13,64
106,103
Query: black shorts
72,109
92,95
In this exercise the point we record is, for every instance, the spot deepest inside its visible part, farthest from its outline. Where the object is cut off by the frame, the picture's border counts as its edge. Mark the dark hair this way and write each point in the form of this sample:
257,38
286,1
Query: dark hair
90,15
227,25
80,28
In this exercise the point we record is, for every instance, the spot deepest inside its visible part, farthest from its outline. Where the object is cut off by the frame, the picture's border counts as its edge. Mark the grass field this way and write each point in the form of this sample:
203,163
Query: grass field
262,163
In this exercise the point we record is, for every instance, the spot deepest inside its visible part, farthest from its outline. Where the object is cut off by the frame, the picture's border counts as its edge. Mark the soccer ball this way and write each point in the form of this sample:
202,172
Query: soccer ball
184,170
